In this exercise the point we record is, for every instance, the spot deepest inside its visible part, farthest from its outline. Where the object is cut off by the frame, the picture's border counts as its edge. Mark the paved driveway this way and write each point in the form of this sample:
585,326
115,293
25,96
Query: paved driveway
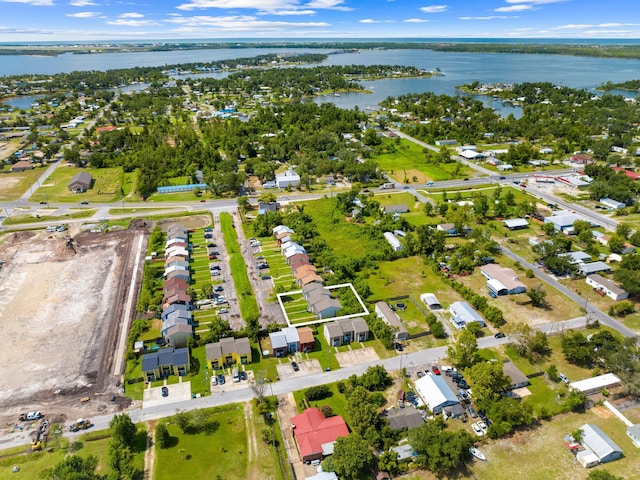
356,357
178,392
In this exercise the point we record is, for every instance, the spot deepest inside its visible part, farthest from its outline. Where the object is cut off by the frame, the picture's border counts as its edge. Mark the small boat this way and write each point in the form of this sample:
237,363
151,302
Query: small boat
478,454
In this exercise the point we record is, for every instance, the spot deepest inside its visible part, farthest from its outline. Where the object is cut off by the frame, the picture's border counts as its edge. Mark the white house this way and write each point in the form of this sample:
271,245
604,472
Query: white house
435,392
287,178
597,443
592,385
610,203
605,285
633,432
393,241
462,314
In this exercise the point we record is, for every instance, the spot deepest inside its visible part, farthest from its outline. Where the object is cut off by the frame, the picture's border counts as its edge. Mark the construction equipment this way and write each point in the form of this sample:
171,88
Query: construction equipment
80,424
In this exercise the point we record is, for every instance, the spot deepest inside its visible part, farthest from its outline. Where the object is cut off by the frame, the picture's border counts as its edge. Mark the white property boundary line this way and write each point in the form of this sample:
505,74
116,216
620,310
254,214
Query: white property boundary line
124,330
365,311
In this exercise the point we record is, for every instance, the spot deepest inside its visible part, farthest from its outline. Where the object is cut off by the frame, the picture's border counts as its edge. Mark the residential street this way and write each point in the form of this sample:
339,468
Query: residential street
411,361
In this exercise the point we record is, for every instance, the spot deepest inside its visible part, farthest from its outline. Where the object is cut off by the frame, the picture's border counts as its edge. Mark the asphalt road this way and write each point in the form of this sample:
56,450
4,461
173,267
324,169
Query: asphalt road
420,360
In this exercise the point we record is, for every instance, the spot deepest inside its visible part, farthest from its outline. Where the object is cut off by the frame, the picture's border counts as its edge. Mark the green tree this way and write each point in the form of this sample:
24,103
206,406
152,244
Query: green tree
575,401
121,460
243,203
438,449
488,382
162,435
352,457
75,467
375,378
537,296
183,420
123,430
616,244
361,412
623,230
576,348
464,352
552,373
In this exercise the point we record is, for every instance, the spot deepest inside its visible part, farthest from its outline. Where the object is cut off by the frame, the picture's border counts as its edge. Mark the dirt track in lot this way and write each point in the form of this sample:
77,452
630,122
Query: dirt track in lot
60,315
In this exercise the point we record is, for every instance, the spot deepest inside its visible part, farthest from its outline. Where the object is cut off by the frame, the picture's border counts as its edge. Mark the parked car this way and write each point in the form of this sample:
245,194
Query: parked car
262,266
223,310
213,257
243,375
211,245
483,427
435,370
220,379
563,378
499,335
215,267
472,412
219,288
266,277
84,202
476,429
165,392
295,366
30,416
420,374
214,381
43,202
208,229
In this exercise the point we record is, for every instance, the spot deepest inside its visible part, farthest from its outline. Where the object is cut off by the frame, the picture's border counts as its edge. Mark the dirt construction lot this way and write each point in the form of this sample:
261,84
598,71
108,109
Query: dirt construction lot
61,309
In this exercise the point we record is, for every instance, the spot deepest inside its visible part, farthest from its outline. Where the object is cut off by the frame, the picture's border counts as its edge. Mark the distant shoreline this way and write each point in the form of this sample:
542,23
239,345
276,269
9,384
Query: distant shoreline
602,48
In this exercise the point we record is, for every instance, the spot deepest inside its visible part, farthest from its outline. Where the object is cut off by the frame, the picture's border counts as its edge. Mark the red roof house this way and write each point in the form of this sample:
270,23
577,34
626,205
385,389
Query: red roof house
628,173
316,434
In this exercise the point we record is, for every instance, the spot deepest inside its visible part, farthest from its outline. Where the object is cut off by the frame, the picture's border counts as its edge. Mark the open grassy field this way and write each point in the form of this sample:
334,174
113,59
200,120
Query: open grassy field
107,186
559,307
246,299
222,450
340,235
539,453
406,160
93,443
14,184
39,216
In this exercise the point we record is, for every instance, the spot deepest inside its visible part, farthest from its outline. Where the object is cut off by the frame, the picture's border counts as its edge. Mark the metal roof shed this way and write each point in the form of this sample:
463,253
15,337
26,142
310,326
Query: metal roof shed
594,439
435,392
595,384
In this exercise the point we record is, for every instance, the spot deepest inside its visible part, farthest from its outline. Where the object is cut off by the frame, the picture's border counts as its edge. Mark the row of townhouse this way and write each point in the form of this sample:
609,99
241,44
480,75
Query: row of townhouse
177,318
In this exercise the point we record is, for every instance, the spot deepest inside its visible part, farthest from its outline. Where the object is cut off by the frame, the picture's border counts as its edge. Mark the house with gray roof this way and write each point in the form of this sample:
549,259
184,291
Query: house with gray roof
228,351
606,286
165,362
597,443
593,267
518,379
633,432
178,335
346,330
462,314
406,418
391,318
81,182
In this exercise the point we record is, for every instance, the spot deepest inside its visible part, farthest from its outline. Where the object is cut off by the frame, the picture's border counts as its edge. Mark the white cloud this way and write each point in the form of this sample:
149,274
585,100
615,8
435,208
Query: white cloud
601,25
328,5
133,23
287,12
241,23
83,14
490,17
131,15
37,3
535,2
514,8
237,4
370,20
434,9
83,3
415,20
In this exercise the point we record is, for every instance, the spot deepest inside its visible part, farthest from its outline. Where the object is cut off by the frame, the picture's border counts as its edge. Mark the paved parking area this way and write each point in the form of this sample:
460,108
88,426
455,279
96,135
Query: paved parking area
306,367
230,385
356,357
178,392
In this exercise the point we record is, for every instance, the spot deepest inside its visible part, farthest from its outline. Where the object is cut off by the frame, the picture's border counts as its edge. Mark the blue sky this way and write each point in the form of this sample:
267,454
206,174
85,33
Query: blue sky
77,20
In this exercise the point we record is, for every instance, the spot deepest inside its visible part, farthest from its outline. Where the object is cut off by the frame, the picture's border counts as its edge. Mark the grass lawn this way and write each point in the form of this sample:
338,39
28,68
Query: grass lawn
93,443
560,308
246,300
14,184
107,186
336,400
221,451
540,454
323,353
35,218
406,160
408,276
340,235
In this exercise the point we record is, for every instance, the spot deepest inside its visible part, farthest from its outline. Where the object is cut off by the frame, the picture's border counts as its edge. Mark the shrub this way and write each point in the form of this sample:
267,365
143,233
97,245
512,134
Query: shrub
317,393
162,436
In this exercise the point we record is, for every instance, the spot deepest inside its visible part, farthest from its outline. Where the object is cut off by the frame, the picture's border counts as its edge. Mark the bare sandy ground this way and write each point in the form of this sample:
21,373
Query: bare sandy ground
58,313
